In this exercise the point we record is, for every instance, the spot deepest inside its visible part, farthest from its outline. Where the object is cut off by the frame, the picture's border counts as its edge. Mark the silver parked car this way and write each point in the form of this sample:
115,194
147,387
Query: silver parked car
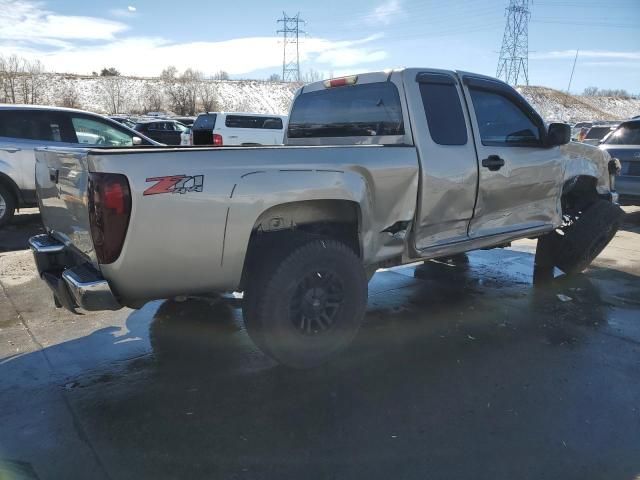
624,144
26,127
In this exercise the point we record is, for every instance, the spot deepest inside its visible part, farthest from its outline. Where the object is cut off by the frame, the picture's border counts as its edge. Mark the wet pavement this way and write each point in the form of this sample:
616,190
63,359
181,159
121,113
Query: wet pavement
460,371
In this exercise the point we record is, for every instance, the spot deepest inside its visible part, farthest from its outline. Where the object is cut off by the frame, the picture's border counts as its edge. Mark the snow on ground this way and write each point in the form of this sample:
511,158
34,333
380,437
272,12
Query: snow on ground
275,97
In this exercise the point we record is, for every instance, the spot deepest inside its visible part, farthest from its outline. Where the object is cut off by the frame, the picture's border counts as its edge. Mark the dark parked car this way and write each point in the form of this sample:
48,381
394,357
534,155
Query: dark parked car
163,131
186,121
624,144
124,121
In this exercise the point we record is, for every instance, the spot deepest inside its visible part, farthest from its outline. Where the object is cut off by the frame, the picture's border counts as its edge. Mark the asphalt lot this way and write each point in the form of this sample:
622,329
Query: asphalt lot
464,371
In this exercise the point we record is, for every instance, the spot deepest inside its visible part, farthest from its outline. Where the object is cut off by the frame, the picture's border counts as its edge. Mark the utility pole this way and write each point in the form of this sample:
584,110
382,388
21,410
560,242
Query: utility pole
291,46
572,70
513,63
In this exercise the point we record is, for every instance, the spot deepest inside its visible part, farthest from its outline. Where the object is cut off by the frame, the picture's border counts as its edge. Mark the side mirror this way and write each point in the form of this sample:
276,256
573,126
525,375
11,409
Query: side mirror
136,140
558,134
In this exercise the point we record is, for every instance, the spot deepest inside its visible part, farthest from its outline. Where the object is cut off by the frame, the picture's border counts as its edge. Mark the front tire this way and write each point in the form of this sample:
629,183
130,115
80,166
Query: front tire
7,206
585,239
307,307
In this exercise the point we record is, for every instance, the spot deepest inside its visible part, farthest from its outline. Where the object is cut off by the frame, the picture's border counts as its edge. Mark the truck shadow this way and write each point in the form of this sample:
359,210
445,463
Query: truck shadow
23,226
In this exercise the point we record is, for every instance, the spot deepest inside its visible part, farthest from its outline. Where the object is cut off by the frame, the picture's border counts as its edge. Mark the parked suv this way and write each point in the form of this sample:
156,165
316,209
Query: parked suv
25,127
247,129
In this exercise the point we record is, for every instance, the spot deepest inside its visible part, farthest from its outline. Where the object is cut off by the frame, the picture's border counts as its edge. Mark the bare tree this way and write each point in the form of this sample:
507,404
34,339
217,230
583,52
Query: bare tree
152,98
70,97
182,90
10,69
115,94
207,93
274,77
312,75
220,75
37,81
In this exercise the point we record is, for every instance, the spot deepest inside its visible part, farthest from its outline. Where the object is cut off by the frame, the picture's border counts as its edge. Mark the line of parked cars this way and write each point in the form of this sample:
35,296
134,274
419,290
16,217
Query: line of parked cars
622,141
26,127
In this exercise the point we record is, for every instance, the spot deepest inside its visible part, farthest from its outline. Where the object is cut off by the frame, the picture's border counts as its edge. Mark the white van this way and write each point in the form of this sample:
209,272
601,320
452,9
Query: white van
223,129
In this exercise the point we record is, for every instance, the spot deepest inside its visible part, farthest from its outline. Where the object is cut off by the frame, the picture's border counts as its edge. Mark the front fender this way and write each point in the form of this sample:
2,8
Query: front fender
586,160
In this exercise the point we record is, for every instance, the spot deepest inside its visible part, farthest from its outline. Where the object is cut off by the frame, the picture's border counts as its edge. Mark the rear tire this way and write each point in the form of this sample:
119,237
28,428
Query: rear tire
308,306
584,240
7,205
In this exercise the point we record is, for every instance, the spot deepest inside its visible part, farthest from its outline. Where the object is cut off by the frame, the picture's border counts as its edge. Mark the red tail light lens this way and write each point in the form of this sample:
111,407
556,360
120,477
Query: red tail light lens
217,140
109,212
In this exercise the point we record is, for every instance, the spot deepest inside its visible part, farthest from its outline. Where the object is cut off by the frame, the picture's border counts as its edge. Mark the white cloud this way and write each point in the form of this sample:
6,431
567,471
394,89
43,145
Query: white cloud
558,54
147,56
29,21
385,13
78,44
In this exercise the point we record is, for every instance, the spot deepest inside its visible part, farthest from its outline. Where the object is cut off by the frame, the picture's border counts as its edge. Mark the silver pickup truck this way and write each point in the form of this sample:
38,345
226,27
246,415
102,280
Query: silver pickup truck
378,170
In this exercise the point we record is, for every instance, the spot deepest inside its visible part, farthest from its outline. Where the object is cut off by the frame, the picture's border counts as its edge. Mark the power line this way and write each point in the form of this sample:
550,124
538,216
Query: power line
291,46
514,52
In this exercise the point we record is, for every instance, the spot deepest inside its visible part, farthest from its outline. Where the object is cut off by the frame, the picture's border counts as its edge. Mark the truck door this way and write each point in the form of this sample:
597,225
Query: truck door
520,179
449,169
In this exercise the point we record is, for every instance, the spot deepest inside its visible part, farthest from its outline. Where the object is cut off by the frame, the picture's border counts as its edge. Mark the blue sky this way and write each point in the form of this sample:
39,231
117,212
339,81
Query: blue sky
141,37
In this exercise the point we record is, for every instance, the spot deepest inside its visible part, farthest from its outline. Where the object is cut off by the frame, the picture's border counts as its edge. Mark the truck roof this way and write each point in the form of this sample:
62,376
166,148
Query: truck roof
384,75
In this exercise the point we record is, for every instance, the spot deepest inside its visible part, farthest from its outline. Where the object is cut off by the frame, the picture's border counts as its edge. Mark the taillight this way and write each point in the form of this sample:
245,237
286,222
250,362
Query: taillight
109,212
217,140
341,82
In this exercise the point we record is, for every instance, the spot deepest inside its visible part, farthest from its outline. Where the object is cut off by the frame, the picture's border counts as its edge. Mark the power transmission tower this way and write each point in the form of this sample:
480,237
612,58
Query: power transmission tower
291,46
514,53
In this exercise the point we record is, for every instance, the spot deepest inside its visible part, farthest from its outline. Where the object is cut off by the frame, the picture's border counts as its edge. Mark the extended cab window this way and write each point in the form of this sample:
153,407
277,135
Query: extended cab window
94,132
34,125
443,109
370,109
243,121
502,122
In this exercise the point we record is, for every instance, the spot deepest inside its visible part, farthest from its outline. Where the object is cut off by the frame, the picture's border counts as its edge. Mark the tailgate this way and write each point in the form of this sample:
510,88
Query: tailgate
61,184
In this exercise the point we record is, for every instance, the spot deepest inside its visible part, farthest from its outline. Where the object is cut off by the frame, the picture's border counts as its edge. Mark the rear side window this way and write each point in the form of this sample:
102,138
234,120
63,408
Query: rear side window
442,107
34,125
626,134
243,121
205,122
596,133
502,122
371,109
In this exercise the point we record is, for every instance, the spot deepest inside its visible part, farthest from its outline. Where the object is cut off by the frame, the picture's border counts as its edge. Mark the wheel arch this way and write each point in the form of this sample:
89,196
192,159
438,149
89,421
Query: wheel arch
291,222
578,192
8,182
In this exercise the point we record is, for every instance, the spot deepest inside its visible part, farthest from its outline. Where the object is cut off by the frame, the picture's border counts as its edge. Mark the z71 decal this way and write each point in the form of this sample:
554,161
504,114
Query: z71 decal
175,184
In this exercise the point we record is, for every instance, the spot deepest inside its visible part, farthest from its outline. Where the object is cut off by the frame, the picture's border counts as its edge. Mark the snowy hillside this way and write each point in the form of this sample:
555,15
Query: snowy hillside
557,105
275,97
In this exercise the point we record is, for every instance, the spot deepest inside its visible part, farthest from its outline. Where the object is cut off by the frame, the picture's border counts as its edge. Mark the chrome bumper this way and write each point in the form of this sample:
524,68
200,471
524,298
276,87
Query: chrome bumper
75,284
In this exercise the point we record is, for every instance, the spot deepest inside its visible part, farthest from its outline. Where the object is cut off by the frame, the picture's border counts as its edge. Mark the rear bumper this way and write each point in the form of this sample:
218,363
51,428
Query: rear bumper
75,284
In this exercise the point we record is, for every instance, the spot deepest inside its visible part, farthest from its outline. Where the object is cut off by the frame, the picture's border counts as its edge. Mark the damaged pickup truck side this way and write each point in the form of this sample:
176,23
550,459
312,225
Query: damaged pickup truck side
378,170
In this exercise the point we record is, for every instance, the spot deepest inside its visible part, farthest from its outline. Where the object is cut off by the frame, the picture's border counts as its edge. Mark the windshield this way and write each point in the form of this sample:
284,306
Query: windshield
626,134
371,109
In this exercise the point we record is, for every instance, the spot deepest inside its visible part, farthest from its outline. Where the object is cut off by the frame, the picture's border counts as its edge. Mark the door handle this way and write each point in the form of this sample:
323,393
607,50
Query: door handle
10,149
493,163
54,174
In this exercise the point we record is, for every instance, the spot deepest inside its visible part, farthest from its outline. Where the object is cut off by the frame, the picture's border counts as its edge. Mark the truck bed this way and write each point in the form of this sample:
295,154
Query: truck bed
194,239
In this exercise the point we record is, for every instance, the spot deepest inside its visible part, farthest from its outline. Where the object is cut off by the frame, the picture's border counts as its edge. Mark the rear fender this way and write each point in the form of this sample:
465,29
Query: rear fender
286,191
